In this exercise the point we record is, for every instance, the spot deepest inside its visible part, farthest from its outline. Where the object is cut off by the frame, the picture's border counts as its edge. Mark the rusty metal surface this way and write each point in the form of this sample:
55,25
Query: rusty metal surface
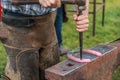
94,12
101,68
116,43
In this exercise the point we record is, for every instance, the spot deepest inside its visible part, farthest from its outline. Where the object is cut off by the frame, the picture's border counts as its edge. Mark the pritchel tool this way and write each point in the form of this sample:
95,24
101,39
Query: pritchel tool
79,12
81,44
80,6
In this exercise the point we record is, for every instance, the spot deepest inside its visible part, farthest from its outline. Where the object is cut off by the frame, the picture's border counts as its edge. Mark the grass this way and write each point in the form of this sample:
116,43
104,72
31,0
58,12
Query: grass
2,59
109,32
103,34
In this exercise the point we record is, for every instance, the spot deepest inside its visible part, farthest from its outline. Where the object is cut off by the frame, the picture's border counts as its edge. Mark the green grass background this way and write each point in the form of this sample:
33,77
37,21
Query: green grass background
109,32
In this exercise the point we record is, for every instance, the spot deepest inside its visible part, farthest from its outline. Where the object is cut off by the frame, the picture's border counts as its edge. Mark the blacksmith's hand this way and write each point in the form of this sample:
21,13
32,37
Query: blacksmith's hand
50,3
82,22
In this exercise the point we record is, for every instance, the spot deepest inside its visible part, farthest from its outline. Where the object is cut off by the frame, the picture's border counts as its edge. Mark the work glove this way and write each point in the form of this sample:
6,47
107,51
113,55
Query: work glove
50,3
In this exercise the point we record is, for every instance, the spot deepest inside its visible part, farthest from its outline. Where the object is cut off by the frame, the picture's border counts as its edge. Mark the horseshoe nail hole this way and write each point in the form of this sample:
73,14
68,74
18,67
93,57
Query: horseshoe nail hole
70,64
64,70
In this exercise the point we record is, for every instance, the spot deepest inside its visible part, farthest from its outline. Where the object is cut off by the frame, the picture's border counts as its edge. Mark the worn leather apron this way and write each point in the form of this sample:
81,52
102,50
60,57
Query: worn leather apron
30,50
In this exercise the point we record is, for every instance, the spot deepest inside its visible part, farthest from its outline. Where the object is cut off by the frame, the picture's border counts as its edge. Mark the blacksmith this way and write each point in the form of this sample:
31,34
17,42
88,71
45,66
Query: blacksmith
28,35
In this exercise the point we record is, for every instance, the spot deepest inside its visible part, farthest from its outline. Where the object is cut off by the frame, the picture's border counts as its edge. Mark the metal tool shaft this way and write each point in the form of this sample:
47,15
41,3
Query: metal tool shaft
79,12
78,2
18,2
81,44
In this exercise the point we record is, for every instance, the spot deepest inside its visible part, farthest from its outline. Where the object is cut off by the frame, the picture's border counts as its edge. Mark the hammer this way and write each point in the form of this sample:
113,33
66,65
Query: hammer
80,7
18,2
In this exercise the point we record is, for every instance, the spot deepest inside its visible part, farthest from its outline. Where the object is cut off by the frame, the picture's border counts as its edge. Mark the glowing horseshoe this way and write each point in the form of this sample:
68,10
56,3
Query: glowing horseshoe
71,57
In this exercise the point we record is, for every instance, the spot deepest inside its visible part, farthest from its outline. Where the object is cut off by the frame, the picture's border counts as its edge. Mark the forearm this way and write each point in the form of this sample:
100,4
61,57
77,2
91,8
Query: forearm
50,3
86,11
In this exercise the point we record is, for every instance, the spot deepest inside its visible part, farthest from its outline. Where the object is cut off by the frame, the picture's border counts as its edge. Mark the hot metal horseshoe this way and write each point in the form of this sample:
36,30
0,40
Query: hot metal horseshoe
93,52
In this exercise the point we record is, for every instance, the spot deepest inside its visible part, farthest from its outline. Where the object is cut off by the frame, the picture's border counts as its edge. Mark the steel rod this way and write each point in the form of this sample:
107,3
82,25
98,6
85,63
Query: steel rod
79,12
81,43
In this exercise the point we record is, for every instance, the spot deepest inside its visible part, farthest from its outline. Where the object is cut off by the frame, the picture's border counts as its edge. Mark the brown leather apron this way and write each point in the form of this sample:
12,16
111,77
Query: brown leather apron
30,50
